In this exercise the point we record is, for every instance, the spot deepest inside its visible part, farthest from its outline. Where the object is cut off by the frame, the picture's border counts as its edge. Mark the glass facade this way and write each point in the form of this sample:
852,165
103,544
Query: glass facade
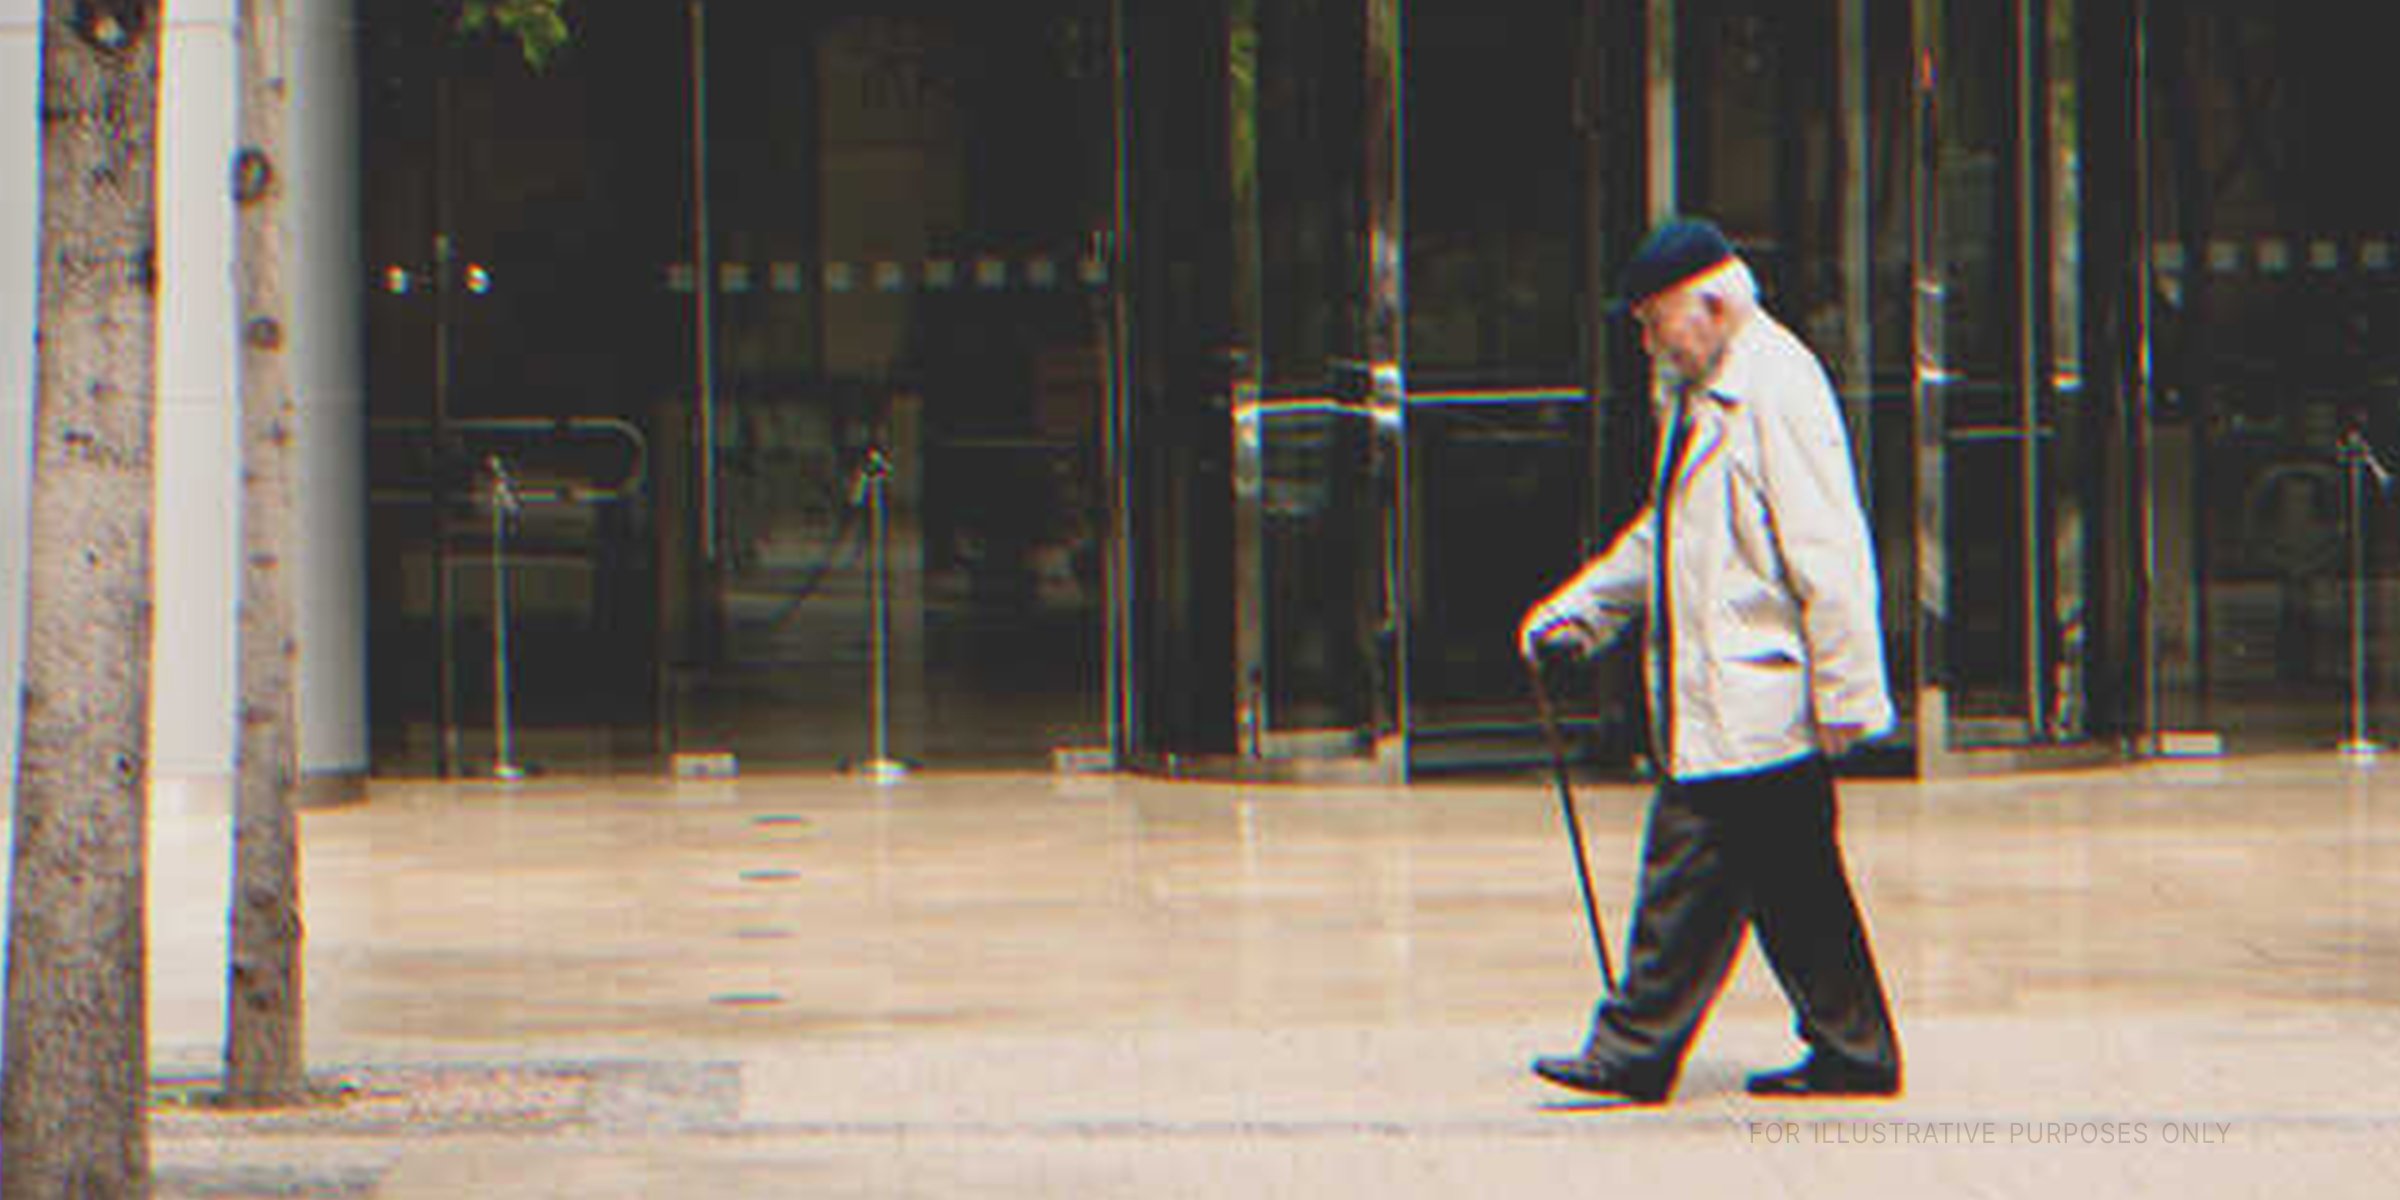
1210,386
2274,300
709,288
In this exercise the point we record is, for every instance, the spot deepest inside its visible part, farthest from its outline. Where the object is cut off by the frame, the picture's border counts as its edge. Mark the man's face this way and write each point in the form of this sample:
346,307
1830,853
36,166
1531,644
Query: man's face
1683,332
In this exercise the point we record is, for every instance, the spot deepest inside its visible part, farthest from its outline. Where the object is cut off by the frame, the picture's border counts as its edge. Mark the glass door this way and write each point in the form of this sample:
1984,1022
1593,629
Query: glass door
2007,439
2275,297
654,330
1319,417
1514,394
900,367
519,351
1906,181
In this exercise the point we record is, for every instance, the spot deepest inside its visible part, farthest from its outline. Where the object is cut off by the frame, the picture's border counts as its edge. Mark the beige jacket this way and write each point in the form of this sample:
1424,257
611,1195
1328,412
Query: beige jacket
1776,613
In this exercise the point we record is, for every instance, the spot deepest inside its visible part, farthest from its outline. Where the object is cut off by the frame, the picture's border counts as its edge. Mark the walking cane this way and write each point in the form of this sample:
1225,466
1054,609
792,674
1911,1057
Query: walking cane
1566,805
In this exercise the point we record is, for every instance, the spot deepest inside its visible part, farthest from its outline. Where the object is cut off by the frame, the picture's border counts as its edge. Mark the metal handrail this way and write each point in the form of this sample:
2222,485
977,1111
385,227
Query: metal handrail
634,478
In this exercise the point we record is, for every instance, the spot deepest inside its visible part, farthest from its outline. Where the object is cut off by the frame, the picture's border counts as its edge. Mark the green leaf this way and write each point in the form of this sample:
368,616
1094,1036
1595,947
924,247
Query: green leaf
539,26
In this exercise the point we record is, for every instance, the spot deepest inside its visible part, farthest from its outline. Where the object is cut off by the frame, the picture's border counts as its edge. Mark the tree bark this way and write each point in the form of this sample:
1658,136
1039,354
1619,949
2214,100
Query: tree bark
264,1065
73,1104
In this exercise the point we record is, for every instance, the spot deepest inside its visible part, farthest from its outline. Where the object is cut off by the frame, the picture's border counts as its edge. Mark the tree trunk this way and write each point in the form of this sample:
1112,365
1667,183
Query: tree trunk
264,1065
73,1104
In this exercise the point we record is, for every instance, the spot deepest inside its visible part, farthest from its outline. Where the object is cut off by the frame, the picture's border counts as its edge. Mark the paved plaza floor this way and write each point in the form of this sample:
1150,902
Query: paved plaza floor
2161,979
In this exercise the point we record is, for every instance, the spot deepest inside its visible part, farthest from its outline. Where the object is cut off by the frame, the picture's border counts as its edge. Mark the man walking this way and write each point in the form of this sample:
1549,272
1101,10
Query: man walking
1765,663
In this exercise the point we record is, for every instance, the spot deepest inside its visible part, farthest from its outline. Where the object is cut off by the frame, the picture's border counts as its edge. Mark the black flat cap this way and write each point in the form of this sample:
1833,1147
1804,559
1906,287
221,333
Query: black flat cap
1682,249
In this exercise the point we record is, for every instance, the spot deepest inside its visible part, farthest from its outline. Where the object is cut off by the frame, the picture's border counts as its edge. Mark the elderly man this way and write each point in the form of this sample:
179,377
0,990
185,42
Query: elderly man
1765,662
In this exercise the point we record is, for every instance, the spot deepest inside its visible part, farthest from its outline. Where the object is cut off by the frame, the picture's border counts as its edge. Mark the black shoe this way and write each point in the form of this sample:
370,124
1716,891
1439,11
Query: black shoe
1602,1079
1818,1075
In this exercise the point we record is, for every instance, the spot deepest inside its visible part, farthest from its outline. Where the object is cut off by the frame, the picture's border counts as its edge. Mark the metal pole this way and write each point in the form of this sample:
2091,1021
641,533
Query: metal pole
704,287
447,757
2358,747
1124,688
2031,33
2141,425
504,506
880,766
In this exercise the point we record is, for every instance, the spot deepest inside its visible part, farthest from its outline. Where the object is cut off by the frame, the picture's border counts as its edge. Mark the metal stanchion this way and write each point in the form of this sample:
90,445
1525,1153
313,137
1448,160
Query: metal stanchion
880,766
505,505
2358,459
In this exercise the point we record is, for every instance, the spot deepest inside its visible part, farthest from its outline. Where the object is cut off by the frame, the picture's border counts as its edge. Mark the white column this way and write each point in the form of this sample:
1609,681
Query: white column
196,537
194,664
326,274
20,196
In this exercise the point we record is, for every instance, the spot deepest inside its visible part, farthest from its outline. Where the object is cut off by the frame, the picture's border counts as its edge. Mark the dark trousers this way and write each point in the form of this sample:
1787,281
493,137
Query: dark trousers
1755,851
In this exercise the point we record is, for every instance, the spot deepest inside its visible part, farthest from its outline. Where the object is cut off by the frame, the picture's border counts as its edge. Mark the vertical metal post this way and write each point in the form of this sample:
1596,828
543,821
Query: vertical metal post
1253,714
880,766
1929,385
447,752
2067,505
1607,134
1124,684
1387,635
2358,747
2151,720
504,506
2032,377
1857,244
1660,79
704,287
446,748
